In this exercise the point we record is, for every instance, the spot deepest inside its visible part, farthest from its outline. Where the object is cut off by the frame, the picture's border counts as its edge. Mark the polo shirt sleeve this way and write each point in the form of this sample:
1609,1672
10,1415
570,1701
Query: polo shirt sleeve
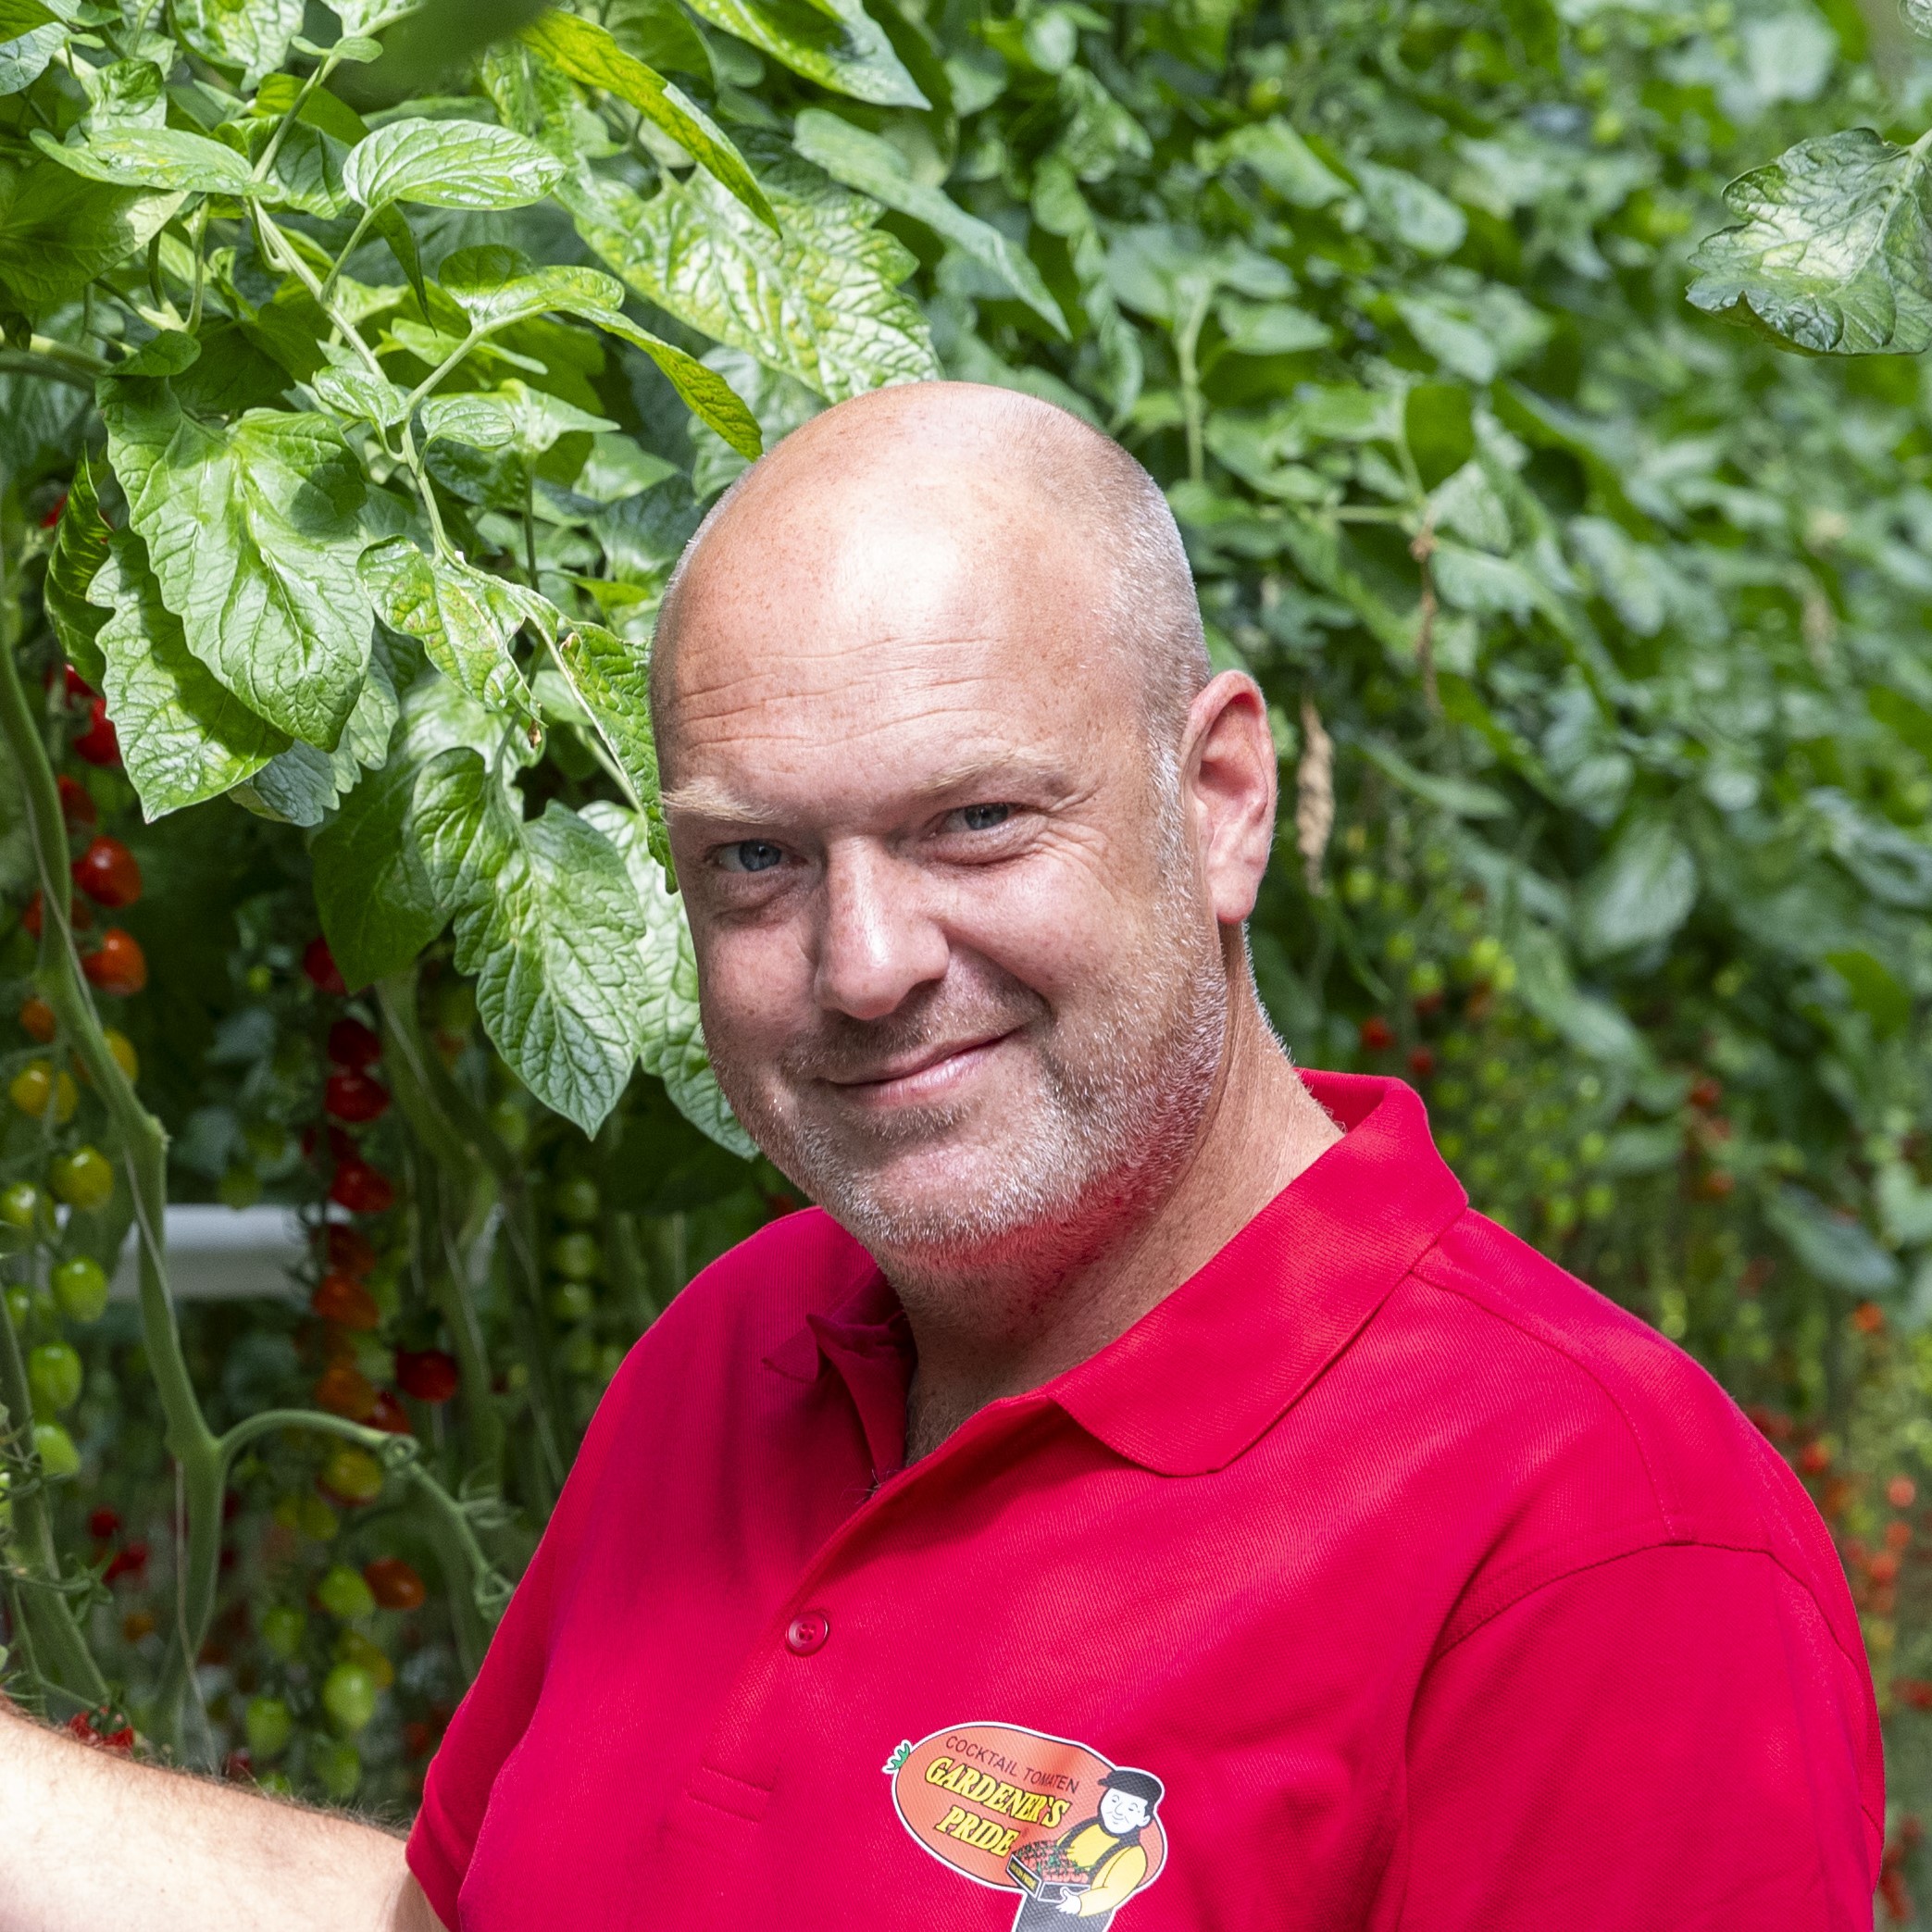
497,1710
1674,1737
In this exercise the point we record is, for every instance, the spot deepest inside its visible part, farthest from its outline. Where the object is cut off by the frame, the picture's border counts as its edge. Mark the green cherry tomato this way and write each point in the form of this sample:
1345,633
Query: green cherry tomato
258,979
578,1200
344,1593
576,1255
283,1627
315,1518
54,1375
512,1125
349,1696
572,1302
269,1727
353,1475
80,1288
337,1767
84,1178
20,1205
58,1457
20,1304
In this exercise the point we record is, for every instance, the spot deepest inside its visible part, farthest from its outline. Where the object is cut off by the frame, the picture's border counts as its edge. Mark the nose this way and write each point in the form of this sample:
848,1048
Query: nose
877,942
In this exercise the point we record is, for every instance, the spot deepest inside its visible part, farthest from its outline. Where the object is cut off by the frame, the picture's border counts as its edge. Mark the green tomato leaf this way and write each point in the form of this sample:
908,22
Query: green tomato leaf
24,49
610,677
1641,892
589,54
184,737
1834,1247
512,415
556,948
463,617
253,532
875,167
674,1038
1407,209
835,42
1835,250
162,158
819,302
58,232
80,549
254,38
449,164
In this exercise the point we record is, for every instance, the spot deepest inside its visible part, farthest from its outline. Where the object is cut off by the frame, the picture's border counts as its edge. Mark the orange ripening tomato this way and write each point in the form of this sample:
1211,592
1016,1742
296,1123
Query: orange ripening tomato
117,965
339,1297
37,1019
395,1584
346,1391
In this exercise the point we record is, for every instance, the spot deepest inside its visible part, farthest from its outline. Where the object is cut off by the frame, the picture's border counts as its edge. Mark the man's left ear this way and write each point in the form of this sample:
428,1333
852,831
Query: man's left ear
1231,777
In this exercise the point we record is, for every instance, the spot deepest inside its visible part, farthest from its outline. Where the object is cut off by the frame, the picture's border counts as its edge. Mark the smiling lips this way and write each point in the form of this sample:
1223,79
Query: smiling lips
923,1077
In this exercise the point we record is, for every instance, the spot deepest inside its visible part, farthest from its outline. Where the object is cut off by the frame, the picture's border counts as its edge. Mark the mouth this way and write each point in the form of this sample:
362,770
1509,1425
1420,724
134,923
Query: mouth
922,1078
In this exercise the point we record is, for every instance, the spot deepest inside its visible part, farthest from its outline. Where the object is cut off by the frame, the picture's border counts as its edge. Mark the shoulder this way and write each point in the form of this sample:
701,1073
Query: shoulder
1611,1439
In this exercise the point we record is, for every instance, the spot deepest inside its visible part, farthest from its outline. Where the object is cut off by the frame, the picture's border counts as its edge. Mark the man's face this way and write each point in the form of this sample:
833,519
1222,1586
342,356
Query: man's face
1122,1811
959,977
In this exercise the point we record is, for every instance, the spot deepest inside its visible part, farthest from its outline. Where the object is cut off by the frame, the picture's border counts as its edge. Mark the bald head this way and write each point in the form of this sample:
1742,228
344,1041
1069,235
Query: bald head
1009,487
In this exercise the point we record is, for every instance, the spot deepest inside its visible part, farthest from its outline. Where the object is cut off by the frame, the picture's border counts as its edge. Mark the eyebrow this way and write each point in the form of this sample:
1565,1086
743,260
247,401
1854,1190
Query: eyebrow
707,798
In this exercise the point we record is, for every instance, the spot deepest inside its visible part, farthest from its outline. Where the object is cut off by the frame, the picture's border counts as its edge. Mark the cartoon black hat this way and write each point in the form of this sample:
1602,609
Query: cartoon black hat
1136,1784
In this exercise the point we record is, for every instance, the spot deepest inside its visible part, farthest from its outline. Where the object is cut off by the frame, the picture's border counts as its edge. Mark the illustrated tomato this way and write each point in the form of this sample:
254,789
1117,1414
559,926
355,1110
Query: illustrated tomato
54,1377
389,1415
318,964
84,1178
1377,1035
352,1474
349,1694
117,965
395,1584
355,1097
344,1593
336,1766
59,1460
76,805
337,1298
353,1045
79,1285
270,1726
360,1188
108,873
37,1019
79,916
578,1200
21,1205
120,1049
344,1391
576,1255
283,1627
102,1523
99,743
42,1095
427,1374
349,1253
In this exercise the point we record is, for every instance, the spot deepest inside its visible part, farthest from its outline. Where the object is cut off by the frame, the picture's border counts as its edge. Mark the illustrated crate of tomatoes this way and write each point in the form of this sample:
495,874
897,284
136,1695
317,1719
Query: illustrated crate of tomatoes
1043,1869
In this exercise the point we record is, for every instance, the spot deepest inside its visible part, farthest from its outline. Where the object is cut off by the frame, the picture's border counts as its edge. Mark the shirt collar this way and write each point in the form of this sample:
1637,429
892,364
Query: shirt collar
1207,1371
1203,1375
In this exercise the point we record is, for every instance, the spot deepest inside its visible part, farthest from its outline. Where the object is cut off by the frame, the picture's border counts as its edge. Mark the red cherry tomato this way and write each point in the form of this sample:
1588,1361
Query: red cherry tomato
360,1189
1378,1036
353,1045
108,873
355,1097
79,916
395,1584
78,685
427,1374
102,1727
390,1414
131,1561
318,963
99,744
54,517
337,1298
349,1253
119,966
76,805
102,1524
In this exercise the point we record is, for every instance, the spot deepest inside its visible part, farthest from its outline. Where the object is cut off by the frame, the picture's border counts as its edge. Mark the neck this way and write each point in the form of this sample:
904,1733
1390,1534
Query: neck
1004,1331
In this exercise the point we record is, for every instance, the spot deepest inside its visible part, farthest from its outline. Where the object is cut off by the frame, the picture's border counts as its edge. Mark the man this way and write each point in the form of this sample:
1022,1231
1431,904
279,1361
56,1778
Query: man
1127,1401
1094,1867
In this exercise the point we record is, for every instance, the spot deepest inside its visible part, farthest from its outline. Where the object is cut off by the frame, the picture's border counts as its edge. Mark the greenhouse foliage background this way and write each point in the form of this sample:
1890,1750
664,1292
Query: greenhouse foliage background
1594,629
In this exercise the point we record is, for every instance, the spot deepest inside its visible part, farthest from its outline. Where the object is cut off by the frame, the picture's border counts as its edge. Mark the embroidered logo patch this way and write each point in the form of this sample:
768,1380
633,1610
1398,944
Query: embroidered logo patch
1073,1834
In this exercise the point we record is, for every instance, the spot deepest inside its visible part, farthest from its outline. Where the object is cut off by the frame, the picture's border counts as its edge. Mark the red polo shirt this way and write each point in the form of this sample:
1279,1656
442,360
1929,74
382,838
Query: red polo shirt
1382,1577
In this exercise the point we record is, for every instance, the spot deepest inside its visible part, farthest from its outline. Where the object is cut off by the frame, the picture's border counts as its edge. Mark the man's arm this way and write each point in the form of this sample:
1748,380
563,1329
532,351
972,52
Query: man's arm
1675,1738
93,1840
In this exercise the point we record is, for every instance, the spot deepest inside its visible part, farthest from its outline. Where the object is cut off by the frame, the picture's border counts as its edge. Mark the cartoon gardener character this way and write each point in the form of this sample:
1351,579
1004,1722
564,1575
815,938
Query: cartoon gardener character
1095,1866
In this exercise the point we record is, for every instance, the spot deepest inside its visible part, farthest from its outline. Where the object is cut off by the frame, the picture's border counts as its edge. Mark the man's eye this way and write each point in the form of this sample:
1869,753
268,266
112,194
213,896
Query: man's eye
749,856
982,819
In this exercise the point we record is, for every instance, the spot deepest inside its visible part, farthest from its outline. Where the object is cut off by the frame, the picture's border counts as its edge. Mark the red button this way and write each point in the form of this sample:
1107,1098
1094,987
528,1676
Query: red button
807,1633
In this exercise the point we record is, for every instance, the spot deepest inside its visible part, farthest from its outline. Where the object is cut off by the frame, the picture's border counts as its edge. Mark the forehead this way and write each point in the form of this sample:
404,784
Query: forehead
878,639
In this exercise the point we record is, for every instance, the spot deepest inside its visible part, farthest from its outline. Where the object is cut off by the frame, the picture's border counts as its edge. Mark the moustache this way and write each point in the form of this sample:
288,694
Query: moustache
847,1051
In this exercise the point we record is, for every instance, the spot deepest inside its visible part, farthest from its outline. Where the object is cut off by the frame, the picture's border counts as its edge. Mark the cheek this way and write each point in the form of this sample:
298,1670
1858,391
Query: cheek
755,987
1057,924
